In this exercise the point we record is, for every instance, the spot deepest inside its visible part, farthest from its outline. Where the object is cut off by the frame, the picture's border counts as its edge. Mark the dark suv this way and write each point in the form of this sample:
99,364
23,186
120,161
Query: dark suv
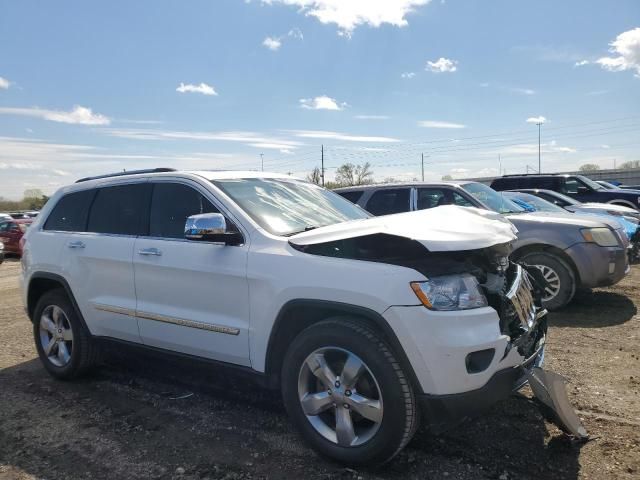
576,186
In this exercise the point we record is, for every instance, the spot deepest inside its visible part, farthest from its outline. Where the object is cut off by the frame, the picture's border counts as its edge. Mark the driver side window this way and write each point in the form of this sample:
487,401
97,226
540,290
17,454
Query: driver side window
571,186
171,205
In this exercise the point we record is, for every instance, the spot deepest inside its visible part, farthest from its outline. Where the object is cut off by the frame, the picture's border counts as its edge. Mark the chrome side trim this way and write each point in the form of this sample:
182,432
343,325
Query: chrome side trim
165,319
111,309
188,323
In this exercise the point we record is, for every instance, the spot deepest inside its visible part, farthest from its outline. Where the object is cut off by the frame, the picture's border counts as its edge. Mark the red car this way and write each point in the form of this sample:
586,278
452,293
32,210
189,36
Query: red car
11,231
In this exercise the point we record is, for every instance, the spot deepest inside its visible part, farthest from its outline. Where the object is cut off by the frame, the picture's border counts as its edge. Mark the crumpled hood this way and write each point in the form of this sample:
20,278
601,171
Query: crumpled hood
440,229
585,221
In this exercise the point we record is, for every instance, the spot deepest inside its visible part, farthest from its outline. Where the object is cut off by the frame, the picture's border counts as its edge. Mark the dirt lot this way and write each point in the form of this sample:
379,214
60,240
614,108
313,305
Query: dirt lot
128,420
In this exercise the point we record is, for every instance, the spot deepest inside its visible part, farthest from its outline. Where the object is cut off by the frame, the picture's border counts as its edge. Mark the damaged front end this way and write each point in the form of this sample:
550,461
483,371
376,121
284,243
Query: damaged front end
514,291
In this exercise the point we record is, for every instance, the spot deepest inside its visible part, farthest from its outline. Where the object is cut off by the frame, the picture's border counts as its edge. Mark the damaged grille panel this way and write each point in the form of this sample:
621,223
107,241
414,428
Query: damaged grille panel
521,296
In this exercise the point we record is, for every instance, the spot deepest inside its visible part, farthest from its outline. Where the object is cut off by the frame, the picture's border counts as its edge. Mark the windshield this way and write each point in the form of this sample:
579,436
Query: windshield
285,206
492,199
538,203
591,183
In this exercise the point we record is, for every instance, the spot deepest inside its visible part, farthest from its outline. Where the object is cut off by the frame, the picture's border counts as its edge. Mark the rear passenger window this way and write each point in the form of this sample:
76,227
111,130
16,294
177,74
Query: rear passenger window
431,197
171,204
385,202
353,197
71,212
119,210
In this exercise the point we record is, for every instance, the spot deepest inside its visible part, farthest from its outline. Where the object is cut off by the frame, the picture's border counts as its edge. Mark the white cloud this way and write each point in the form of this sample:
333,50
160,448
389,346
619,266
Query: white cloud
524,91
4,83
323,134
372,117
408,74
272,43
439,124
581,63
442,65
322,102
350,14
202,88
252,139
78,115
605,146
627,48
539,119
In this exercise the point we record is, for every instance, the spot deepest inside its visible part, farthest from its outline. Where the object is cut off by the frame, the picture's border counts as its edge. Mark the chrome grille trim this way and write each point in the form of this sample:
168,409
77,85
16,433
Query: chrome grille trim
521,296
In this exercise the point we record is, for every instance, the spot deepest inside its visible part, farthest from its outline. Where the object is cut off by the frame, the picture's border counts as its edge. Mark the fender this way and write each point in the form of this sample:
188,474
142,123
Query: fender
623,202
329,309
65,285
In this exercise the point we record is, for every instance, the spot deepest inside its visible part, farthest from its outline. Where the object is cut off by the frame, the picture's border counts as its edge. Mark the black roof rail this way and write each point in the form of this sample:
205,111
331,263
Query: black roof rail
130,172
531,175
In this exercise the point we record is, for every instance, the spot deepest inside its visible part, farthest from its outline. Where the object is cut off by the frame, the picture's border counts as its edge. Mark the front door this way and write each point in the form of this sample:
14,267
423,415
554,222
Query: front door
192,296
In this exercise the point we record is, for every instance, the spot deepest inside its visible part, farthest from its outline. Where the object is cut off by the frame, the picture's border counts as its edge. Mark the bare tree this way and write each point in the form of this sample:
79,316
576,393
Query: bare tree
630,164
33,193
349,174
589,167
315,176
447,178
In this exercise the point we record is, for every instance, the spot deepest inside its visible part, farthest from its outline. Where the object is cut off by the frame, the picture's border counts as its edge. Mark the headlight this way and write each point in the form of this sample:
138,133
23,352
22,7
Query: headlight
602,236
450,292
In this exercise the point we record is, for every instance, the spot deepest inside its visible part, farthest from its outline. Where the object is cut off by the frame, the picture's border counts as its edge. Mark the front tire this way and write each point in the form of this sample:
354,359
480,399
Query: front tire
561,281
65,348
347,394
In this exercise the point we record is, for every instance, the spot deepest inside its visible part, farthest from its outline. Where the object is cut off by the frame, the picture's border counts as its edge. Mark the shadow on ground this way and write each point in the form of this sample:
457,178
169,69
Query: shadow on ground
143,416
595,309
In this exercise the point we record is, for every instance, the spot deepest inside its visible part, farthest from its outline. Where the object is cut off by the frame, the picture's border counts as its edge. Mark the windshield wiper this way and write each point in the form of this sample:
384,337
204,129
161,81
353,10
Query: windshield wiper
305,229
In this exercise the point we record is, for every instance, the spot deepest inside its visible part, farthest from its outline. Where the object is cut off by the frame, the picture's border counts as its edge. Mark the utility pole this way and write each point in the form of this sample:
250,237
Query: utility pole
322,164
262,161
539,155
499,166
422,156
614,163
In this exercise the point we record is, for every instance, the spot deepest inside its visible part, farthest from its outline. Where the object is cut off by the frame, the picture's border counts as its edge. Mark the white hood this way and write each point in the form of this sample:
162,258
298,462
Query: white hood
440,229
607,206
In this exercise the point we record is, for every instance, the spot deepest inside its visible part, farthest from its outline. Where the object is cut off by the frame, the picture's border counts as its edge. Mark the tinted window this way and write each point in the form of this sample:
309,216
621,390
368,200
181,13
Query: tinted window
431,197
385,202
171,204
4,227
353,197
71,212
119,210
571,186
504,183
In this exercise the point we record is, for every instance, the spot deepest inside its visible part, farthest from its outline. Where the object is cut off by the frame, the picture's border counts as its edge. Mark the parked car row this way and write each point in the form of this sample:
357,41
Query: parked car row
367,325
11,234
571,251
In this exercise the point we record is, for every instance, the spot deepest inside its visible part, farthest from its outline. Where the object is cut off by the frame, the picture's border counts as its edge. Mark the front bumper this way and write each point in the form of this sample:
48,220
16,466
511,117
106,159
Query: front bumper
444,411
599,266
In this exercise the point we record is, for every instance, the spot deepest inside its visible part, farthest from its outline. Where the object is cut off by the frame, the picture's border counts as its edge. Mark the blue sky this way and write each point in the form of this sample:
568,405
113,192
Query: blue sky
88,87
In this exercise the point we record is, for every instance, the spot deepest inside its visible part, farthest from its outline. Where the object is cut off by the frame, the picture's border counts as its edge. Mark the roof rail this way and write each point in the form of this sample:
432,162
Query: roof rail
531,175
130,172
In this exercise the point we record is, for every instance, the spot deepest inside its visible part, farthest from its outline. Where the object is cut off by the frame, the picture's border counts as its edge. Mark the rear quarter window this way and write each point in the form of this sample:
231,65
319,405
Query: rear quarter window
504,183
388,201
71,212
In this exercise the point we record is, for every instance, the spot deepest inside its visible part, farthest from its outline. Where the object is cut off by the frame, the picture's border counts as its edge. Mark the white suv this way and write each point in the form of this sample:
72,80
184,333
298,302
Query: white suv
364,323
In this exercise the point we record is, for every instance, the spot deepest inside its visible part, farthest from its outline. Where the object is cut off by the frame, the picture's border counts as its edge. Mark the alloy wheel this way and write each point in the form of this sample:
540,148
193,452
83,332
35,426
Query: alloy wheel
56,336
553,281
340,396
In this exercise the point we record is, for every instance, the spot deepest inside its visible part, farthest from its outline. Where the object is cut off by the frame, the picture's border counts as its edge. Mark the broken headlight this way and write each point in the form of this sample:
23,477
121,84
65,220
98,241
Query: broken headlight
450,292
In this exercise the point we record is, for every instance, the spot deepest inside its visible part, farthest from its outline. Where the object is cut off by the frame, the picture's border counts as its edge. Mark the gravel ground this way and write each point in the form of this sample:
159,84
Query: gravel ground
140,416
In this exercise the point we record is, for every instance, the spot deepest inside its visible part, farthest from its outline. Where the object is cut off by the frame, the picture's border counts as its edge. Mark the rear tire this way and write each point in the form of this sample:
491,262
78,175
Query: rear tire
562,286
356,419
64,346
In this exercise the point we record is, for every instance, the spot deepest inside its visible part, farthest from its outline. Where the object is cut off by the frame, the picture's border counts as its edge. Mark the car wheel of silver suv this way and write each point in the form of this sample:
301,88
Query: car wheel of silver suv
347,394
64,346
561,282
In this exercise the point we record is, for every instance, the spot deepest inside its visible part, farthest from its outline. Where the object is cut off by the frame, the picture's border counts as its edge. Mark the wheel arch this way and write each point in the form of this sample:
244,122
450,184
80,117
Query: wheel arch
550,249
299,314
623,203
43,282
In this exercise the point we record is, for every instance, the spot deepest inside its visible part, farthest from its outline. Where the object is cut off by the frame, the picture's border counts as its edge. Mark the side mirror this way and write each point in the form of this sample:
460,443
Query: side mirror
210,227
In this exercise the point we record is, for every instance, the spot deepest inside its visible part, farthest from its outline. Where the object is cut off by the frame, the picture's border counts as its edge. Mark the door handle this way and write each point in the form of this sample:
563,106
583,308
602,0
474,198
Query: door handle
150,251
77,244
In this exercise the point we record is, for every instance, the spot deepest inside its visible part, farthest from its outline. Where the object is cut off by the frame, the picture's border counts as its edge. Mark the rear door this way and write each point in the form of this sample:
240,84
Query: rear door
99,258
389,200
192,296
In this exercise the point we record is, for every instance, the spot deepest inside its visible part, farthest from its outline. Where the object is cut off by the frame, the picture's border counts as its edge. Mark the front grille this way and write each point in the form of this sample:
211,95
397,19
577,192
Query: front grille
521,317
521,297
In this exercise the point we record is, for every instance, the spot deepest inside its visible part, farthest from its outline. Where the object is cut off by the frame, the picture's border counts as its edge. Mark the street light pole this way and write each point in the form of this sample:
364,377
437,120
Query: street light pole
422,157
262,161
539,151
